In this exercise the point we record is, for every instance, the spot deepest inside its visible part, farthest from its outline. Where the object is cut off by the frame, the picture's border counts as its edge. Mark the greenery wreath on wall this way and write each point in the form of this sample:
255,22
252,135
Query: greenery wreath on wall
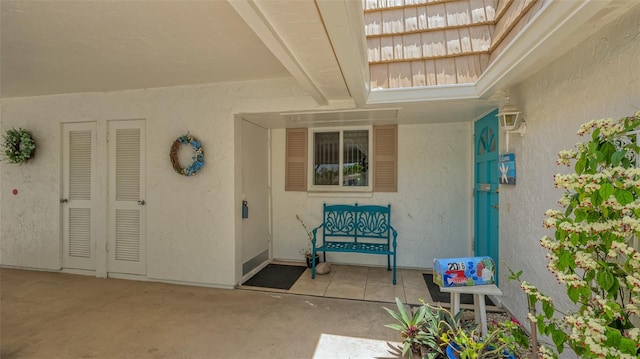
198,155
18,145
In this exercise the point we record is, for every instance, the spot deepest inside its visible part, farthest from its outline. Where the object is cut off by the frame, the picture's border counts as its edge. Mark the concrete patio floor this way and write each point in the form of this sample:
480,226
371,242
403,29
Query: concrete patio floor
56,315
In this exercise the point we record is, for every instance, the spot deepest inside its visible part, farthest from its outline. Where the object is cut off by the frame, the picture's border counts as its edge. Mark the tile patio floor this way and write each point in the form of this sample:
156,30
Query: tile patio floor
365,283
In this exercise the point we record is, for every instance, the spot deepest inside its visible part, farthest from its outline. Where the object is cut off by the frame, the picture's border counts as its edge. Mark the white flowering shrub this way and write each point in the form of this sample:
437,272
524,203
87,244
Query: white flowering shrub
592,251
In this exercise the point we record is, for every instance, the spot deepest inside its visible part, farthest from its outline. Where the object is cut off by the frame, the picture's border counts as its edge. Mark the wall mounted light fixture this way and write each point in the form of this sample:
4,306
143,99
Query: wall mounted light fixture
511,121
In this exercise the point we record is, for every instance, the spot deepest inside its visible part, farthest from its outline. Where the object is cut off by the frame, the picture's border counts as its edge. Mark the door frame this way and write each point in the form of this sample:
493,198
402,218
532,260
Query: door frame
239,197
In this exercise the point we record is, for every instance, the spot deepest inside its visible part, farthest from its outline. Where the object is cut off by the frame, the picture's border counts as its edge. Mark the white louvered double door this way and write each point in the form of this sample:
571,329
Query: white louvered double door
126,216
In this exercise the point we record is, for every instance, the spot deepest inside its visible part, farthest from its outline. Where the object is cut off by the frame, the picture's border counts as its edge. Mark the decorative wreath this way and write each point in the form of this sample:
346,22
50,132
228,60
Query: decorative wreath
198,155
18,145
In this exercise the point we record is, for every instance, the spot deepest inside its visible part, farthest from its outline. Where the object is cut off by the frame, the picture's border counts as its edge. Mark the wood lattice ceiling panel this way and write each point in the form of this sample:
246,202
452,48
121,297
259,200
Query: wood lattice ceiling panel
416,43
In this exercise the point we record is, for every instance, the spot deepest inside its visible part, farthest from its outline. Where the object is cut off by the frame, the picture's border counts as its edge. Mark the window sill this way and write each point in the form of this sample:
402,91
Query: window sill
339,194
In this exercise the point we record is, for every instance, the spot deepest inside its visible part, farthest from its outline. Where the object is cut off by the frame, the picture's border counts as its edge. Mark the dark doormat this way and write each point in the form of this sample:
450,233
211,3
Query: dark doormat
278,276
443,297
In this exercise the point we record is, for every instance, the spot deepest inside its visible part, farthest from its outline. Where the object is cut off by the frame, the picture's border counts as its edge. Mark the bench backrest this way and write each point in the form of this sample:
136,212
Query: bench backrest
357,223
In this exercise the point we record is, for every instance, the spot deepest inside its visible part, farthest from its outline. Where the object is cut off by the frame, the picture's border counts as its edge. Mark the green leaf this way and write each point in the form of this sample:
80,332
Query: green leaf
593,216
515,276
606,190
627,346
624,197
605,279
580,165
559,337
397,327
607,150
565,260
617,157
614,288
573,294
541,326
575,238
596,198
613,337
589,275
548,309
592,165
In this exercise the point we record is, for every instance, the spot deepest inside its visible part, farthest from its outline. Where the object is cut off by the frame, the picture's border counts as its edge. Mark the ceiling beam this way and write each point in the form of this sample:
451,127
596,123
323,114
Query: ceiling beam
344,23
251,13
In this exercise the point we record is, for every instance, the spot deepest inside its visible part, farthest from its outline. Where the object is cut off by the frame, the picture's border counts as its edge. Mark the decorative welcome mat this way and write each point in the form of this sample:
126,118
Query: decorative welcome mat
443,297
277,276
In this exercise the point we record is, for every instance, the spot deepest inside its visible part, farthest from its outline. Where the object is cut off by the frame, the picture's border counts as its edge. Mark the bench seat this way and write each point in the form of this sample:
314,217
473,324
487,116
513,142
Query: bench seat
354,247
356,229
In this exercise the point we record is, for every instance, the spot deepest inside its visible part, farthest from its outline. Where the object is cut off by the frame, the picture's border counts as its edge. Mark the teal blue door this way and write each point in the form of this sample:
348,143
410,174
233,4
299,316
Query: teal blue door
486,188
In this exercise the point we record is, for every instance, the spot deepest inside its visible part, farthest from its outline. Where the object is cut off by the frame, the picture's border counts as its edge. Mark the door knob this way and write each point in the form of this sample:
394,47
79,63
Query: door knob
495,206
64,200
141,202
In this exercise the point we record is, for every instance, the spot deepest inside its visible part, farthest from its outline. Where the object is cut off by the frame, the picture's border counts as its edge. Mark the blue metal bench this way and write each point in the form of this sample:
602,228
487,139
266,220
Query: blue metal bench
356,229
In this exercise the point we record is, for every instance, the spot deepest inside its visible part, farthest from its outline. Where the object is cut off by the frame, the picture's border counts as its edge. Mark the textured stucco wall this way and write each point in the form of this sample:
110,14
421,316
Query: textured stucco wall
598,78
191,233
431,210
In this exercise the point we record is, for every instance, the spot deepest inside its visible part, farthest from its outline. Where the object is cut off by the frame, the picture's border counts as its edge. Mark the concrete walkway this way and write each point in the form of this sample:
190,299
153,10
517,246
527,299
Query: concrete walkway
55,315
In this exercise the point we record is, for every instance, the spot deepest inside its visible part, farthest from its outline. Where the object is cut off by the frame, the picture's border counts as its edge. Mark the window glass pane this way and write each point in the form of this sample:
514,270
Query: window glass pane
356,158
326,162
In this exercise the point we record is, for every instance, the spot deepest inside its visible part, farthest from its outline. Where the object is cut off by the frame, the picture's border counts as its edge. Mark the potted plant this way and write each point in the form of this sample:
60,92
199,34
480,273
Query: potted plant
592,251
504,340
433,333
307,252
419,332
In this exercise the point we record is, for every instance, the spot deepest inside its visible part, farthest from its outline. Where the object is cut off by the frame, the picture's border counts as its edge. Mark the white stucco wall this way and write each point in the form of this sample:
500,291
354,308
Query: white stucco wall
191,233
599,78
431,210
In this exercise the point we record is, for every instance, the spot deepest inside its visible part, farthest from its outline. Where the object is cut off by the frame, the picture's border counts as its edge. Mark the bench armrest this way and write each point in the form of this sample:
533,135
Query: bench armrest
314,231
395,237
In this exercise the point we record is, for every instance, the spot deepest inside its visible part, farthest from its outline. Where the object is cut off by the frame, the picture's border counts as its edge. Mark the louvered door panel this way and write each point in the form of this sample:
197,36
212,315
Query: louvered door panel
78,162
127,235
80,165
128,165
126,197
79,232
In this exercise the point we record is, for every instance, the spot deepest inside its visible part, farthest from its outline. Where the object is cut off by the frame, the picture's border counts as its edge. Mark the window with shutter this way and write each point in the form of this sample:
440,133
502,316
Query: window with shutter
344,159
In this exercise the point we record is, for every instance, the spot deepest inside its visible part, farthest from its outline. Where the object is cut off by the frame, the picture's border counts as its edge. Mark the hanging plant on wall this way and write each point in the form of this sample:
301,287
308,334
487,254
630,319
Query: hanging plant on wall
18,145
197,157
